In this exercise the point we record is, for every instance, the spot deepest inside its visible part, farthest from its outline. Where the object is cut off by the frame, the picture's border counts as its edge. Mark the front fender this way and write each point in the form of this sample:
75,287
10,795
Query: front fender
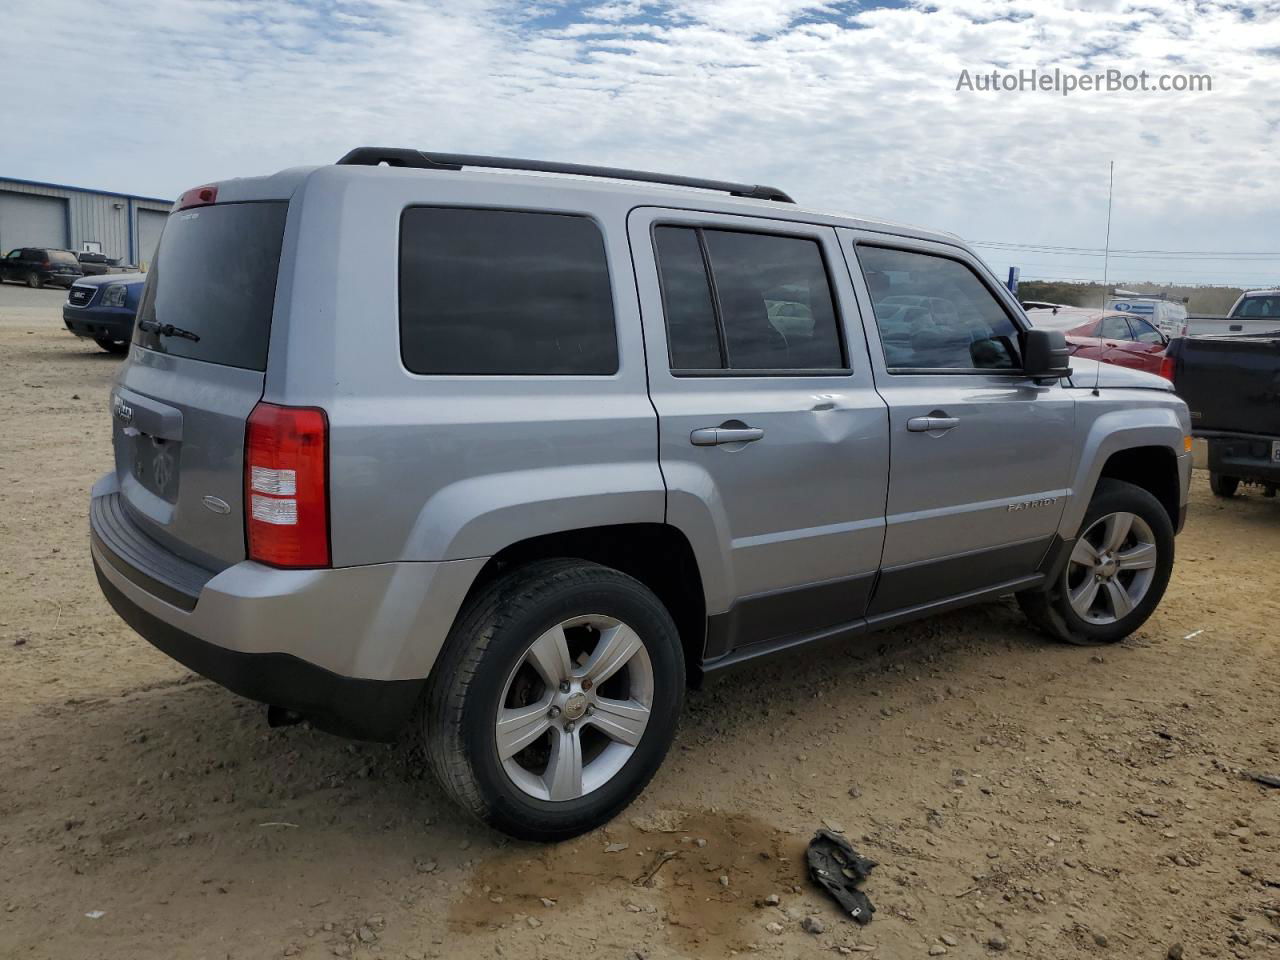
1121,428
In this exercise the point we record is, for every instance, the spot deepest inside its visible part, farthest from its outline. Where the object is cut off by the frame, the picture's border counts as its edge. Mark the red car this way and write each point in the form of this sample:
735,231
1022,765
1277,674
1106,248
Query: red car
1118,338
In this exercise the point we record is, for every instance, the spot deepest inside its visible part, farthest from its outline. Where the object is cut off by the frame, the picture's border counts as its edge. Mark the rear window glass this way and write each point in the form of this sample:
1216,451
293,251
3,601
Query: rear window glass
62,256
504,292
214,277
1268,307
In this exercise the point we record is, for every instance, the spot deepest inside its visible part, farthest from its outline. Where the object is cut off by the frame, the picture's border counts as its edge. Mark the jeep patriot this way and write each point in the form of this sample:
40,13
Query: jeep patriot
503,454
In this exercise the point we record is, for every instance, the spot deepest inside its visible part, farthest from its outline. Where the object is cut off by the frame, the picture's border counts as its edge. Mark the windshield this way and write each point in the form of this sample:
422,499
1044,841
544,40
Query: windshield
214,275
1267,307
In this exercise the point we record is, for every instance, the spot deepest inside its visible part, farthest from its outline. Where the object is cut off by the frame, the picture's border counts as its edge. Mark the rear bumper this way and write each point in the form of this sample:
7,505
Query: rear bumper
1246,456
350,647
349,707
99,322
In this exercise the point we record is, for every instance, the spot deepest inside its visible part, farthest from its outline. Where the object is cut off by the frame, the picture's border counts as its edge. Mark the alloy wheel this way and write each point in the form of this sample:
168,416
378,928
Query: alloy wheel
1111,568
574,708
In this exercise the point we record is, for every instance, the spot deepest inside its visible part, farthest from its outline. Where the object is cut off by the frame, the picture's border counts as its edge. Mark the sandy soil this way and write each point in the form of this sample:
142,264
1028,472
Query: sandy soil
1071,802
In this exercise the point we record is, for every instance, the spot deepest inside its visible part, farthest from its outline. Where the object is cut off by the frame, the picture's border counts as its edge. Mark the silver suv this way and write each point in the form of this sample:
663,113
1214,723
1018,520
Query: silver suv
504,454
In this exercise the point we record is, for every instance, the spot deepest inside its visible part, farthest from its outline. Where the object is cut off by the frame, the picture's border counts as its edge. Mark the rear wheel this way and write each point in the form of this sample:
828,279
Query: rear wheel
555,699
1117,572
1223,486
112,346
34,281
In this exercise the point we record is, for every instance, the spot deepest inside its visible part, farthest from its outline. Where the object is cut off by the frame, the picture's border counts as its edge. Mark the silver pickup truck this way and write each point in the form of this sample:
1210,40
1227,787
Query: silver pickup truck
1254,312
503,454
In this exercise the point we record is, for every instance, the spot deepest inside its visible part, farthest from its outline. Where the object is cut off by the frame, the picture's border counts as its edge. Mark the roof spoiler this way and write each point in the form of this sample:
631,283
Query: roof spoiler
422,160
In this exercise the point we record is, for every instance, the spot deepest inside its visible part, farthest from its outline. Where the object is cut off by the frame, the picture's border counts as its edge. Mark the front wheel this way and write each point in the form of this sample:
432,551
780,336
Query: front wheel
112,346
1117,572
34,281
1223,486
555,699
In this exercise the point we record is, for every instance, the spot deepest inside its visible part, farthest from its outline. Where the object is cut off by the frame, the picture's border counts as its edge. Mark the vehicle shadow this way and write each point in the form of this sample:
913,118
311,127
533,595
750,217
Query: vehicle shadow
183,783
205,756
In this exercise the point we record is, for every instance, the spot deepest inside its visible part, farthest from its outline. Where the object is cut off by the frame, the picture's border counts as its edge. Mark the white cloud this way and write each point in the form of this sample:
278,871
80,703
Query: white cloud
846,105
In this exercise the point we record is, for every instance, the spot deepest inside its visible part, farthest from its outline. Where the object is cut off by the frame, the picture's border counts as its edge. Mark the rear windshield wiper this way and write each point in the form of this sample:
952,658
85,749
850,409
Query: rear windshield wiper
167,330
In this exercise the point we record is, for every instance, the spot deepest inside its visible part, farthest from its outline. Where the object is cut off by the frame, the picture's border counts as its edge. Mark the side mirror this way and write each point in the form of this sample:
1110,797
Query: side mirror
1045,354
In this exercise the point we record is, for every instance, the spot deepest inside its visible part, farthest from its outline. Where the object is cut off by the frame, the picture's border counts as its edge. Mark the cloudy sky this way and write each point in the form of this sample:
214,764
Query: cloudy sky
849,106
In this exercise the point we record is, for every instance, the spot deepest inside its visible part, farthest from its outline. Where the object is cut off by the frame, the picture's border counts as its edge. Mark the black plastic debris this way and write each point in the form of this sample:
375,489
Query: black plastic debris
838,868
1266,779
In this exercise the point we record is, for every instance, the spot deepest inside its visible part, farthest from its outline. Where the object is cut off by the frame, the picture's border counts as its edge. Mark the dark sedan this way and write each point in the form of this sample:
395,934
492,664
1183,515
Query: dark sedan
103,308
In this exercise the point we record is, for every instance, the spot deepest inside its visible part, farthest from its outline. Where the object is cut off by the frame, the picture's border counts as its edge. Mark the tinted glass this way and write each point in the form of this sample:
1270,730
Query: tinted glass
1114,328
1144,332
62,256
935,314
214,275
775,302
498,292
1259,307
692,340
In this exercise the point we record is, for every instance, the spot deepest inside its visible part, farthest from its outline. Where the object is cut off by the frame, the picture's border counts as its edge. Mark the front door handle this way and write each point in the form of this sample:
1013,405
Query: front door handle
930,424
713,436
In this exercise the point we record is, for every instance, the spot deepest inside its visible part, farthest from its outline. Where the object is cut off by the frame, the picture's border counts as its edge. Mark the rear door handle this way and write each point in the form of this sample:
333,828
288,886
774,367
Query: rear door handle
929,424
713,436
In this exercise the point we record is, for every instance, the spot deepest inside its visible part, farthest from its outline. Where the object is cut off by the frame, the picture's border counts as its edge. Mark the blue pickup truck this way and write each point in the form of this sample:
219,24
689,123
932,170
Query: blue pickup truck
102,308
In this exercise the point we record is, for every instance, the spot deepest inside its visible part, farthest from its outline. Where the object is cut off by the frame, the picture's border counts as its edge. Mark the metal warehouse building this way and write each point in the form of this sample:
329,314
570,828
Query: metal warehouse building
36,214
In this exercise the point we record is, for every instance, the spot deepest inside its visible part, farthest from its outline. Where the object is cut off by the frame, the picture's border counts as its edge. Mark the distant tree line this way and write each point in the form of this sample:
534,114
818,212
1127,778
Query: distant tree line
1212,300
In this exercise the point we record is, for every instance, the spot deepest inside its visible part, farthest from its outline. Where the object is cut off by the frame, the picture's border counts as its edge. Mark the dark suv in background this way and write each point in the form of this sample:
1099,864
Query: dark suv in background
37,266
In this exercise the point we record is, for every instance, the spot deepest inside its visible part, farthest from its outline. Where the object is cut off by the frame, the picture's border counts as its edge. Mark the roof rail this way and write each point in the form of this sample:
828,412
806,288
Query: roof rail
423,160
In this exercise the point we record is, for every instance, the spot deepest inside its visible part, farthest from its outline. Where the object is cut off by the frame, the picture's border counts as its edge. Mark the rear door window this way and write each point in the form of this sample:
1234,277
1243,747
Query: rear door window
1144,332
503,292
214,277
746,301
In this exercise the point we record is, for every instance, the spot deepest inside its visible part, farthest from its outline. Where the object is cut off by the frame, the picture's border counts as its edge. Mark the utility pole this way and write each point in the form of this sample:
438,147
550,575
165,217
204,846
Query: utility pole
1106,254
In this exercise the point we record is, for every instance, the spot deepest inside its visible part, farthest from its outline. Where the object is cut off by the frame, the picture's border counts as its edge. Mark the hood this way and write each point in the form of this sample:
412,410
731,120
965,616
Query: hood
1086,372
102,280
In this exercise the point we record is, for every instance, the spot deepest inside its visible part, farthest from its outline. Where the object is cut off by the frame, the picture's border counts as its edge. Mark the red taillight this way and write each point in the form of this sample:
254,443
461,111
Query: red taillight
199,196
286,486
1167,363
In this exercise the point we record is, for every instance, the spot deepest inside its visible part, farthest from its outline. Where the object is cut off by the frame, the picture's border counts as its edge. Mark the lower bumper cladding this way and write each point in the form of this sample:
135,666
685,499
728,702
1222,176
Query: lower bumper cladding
347,706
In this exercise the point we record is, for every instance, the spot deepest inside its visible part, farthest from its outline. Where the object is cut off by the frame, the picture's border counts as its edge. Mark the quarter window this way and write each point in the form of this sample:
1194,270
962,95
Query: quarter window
934,313
504,292
742,301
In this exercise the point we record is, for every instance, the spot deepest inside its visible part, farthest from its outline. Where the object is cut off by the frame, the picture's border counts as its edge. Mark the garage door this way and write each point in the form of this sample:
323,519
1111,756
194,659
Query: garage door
30,221
150,223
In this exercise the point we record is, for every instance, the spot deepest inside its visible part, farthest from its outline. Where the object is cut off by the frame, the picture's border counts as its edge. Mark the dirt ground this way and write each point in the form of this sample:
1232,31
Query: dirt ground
1053,801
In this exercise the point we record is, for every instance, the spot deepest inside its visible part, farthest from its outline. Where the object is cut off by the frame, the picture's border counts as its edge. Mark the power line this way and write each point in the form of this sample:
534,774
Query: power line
1189,272
1102,252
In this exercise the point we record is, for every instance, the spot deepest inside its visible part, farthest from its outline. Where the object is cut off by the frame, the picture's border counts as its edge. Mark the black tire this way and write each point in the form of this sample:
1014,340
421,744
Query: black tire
34,281
488,641
1223,486
1050,609
112,346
